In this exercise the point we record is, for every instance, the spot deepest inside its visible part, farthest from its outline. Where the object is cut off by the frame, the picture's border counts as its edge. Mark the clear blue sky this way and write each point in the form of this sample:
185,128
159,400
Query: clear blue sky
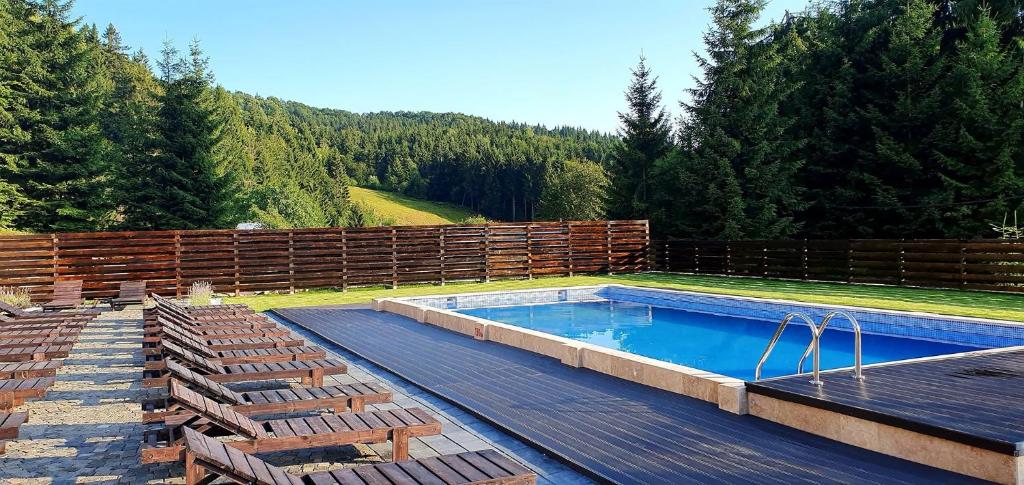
554,62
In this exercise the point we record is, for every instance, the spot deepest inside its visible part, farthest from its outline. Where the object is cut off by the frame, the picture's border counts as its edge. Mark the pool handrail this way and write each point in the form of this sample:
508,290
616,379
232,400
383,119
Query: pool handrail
815,346
778,333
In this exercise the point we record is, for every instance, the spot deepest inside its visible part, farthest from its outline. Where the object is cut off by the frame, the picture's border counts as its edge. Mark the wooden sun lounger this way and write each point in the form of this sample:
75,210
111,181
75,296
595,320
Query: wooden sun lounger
25,370
241,343
10,425
225,357
311,372
352,397
207,459
130,293
42,352
16,333
66,294
14,392
10,314
395,425
36,341
217,331
12,327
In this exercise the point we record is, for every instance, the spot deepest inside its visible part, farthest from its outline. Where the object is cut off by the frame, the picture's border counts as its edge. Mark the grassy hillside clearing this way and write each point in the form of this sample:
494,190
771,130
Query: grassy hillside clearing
408,211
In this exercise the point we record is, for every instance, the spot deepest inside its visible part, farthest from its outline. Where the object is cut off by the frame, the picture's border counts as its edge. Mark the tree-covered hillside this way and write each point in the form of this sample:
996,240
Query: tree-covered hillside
96,136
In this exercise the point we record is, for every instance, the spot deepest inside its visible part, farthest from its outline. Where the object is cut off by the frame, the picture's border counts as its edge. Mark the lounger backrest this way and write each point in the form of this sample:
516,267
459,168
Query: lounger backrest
12,310
67,290
219,414
225,460
204,385
191,358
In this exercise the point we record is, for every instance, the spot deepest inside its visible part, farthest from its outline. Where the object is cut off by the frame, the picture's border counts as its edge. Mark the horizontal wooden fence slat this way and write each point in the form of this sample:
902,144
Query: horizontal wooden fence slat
992,265
236,261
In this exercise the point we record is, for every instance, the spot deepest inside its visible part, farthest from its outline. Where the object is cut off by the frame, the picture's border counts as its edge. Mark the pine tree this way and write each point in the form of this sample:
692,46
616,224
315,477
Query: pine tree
736,175
646,137
54,151
185,187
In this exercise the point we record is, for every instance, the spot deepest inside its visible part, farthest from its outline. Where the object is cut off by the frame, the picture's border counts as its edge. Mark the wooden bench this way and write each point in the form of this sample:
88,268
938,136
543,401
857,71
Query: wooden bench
207,459
395,425
130,293
66,294
352,397
42,352
25,370
14,392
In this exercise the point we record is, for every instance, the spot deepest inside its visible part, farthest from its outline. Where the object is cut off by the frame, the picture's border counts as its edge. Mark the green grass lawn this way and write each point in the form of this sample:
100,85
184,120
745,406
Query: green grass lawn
949,302
408,211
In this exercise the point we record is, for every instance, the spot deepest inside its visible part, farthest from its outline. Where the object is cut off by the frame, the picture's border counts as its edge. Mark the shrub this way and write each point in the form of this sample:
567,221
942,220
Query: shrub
16,296
201,293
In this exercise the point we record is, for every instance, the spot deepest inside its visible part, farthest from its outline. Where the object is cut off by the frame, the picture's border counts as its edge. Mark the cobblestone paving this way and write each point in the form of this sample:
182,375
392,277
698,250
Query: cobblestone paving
88,430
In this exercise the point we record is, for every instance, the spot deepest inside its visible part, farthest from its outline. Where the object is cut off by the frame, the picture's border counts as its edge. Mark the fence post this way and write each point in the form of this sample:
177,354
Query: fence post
440,235
805,263
529,251
291,263
344,261
728,258
608,244
568,229
667,257
394,259
963,264
238,271
902,267
487,252
696,258
56,259
764,260
849,261
177,264
648,247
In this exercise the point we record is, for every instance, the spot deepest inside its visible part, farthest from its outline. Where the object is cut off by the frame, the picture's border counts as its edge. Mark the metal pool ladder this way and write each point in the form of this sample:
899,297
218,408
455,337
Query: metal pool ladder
815,345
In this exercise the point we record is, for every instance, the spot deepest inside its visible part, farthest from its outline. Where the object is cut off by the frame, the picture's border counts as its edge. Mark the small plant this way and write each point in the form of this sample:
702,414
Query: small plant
473,220
200,294
13,295
1007,231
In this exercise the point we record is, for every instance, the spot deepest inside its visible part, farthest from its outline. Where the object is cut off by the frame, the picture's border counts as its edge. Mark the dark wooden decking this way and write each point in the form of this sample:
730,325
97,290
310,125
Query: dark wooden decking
614,430
977,400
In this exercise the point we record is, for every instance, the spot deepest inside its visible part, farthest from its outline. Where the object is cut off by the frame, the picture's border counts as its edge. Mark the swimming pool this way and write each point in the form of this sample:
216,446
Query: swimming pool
724,344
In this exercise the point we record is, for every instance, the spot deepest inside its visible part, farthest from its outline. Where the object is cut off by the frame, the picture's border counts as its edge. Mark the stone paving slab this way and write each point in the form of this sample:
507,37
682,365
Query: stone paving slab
88,428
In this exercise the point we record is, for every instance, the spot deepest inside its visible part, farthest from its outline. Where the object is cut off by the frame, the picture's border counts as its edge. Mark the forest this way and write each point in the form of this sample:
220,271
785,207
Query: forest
850,119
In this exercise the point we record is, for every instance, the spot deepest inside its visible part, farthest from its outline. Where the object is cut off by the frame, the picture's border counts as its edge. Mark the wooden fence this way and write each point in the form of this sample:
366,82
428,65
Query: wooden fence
288,260
994,265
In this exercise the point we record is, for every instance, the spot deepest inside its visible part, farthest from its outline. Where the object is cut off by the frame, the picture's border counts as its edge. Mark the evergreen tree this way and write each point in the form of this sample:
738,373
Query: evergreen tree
646,137
185,188
53,148
736,175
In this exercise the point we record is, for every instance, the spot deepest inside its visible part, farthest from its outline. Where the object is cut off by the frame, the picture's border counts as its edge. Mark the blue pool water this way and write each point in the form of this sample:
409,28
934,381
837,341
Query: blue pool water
725,345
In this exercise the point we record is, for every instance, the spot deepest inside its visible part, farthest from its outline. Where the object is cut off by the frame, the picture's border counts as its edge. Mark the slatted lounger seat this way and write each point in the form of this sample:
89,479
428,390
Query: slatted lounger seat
10,425
25,370
395,425
311,372
227,357
218,331
36,341
14,392
130,293
241,343
42,352
352,397
66,294
207,459
10,314
10,334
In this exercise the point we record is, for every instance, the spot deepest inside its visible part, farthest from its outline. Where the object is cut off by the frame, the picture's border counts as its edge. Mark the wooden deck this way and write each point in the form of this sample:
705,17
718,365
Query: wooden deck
975,400
613,430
